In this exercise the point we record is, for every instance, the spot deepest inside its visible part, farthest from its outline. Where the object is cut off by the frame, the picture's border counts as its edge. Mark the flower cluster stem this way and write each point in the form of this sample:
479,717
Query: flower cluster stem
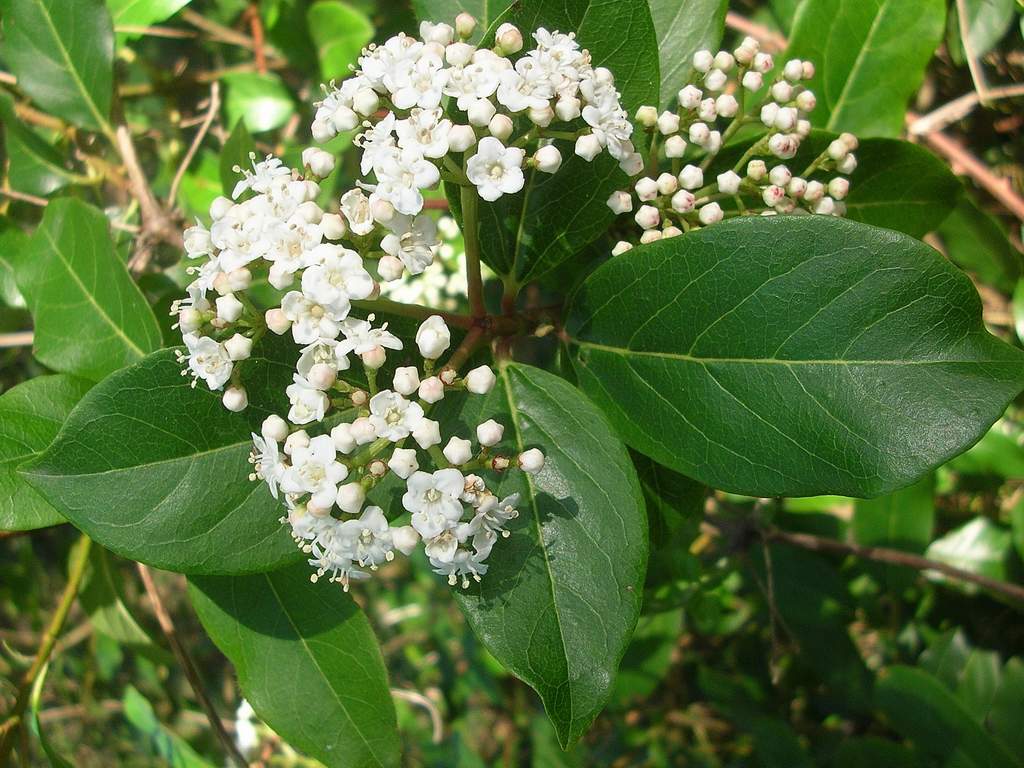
472,240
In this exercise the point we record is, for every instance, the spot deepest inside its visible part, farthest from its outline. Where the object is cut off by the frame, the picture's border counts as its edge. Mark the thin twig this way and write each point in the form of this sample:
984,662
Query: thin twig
256,27
189,667
977,73
895,557
8,79
211,113
771,41
168,32
24,197
959,108
223,34
76,572
414,697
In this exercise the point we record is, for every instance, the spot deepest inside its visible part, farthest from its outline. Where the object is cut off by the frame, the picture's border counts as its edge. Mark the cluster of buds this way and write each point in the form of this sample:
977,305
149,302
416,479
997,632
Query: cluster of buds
711,109
325,479
502,118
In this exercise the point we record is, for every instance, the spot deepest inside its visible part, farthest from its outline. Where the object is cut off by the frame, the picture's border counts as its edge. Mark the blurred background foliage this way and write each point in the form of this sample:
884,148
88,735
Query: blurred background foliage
749,652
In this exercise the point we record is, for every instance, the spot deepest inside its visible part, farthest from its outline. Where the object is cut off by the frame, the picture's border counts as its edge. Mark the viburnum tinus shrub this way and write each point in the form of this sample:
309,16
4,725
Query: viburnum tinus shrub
684,270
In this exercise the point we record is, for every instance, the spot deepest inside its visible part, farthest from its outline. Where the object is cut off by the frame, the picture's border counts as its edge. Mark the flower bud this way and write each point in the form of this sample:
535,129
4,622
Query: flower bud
374,358
433,337
714,142
298,439
729,183
480,112
461,138
710,214
782,91
838,187
489,433
277,321
500,127
238,347
351,497
772,195
382,211
806,101
814,191
646,189
726,105
650,236
531,461
365,102
190,319
620,202
763,63
406,381
793,70
780,175
431,390
667,183
691,177
786,118
807,70
848,164
235,399
548,159
708,110
239,279
621,247
377,468
703,61
333,226
715,80
319,162
229,308
757,170
459,54
508,39
753,81
322,376
464,25
699,134
363,431
588,147
647,216
458,451
683,201
568,108
541,116
274,428
427,433
796,187
783,146
343,439
724,61
768,114
668,123
803,128
826,206
390,268
675,146
690,97
219,208
480,380
403,462
359,398
632,164
405,539
647,116
672,231
436,33
344,119
322,131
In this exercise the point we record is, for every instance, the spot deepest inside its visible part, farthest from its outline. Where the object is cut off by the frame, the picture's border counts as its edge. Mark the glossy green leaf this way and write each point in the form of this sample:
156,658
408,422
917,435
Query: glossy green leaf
90,317
901,520
158,739
562,594
142,13
1017,308
922,710
791,356
556,215
262,101
62,54
102,598
979,546
12,240
870,57
53,757
235,153
157,471
684,27
484,11
340,33
307,662
31,414
648,656
987,22
976,241
34,166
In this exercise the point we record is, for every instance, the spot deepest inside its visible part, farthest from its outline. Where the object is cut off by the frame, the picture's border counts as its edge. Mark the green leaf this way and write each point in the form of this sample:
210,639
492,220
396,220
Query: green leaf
556,215
157,471
901,520
484,11
979,546
987,22
1006,712
34,165
307,662
160,740
142,13
90,317
62,54
791,356
235,153
1017,527
53,757
340,33
102,597
30,416
262,101
976,241
997,454
870,57
648,656
922,710
683,28
1017,308
562,594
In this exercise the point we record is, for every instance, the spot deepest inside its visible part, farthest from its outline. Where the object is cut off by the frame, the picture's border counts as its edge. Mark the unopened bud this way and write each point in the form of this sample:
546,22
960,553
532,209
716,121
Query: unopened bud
238,347
531,461
277,321
508,39
431,390
464,25
351,497
274,428
235,399
480,380
458,451
489,433
322,376
374,358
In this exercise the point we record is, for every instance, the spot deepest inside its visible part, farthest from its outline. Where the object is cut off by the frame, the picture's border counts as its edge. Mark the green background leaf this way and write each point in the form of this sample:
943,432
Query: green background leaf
307,661
30,416
870,57
979,546
34,165
62,54
235,152
562,594
977,241
90,317
684,27
901,520
791,356
340,33
142,13
262,101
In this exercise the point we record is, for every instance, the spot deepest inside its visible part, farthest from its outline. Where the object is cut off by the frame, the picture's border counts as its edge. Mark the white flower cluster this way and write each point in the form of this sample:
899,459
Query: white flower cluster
325,479
711,109
497,110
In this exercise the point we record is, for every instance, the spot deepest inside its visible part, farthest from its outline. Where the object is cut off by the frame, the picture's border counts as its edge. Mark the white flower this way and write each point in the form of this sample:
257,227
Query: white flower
336,280
412,240
417,83
527,86
321,352
493,515
316,471
400,178
377,142
266,462
371,536
207,360
495,169
361,337
425,132
356,208
433,500
393,416
308,403
463,563
433,337
477,80
262,175
310,320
